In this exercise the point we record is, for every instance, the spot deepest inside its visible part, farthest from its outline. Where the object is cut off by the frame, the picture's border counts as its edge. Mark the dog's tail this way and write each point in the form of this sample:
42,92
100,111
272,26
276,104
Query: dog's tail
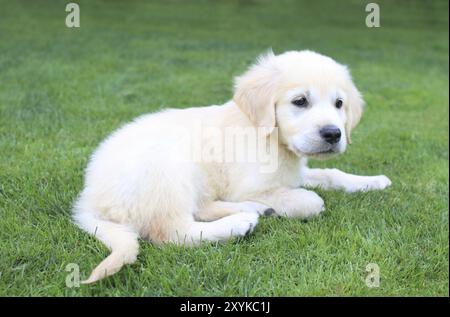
120,239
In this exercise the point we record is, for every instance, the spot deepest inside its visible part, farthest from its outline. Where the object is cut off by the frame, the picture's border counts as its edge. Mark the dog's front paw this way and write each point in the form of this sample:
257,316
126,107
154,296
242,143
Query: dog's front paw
372,183
381,182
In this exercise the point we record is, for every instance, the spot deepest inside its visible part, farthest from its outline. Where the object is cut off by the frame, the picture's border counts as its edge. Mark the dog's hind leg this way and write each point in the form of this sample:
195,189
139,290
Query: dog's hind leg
236,225
219,209
191,232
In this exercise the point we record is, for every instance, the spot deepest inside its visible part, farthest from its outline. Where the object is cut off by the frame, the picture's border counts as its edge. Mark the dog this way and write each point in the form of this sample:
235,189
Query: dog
140,183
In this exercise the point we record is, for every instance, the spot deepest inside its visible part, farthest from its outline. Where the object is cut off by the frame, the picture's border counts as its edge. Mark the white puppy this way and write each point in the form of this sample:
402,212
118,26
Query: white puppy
141,181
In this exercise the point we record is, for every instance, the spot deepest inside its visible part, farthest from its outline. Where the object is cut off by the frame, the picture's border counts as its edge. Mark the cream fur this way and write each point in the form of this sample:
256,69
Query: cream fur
141,183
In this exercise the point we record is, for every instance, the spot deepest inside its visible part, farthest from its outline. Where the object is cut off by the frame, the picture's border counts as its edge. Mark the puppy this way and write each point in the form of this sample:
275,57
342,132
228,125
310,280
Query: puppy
148,179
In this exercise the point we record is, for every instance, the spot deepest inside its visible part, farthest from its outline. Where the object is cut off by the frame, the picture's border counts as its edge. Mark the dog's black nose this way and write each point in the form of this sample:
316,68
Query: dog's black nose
330,133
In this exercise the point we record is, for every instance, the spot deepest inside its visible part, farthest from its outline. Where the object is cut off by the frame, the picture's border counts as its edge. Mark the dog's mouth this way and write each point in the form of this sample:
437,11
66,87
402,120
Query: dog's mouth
322,153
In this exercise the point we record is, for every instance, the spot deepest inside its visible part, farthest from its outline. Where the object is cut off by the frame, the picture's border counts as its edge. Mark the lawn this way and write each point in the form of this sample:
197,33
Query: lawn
63,90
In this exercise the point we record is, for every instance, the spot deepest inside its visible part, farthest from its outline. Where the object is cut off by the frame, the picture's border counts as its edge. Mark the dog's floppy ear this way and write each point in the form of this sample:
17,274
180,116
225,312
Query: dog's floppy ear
255,90
353,110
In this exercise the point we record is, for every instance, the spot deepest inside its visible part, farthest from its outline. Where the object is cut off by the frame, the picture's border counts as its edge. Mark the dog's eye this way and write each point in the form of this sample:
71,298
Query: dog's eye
338,103
301,102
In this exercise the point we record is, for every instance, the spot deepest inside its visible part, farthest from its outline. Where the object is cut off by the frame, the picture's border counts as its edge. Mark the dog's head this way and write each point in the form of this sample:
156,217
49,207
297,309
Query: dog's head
309,97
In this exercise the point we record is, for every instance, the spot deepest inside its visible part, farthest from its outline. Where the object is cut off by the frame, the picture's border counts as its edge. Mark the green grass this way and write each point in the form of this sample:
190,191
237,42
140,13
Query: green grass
63,90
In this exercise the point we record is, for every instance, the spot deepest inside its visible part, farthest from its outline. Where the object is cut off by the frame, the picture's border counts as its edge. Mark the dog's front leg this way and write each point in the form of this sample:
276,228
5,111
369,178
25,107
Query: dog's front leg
294,202
336,179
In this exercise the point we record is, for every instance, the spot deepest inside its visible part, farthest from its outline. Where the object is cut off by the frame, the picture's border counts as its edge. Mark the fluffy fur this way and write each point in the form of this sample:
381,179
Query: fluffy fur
141,182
